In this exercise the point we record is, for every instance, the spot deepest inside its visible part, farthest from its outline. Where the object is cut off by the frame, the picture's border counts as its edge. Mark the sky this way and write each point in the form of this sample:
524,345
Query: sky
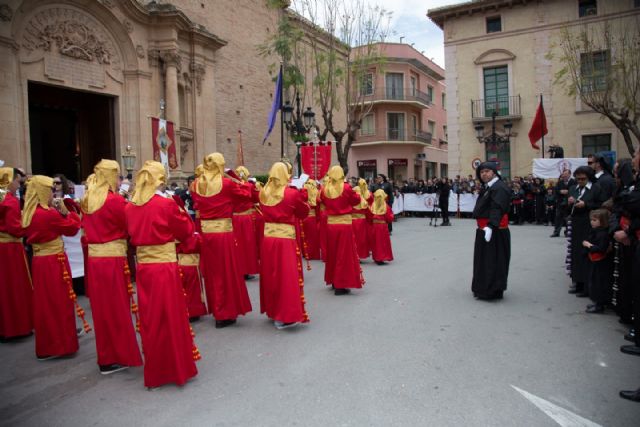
408,20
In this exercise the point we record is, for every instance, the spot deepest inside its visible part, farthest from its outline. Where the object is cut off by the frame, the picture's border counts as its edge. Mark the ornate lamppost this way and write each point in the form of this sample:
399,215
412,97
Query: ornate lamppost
298,125
129,159
493,140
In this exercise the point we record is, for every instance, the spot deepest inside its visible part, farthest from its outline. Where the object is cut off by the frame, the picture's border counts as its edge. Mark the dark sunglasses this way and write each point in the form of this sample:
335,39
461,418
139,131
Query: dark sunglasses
589,163
57,183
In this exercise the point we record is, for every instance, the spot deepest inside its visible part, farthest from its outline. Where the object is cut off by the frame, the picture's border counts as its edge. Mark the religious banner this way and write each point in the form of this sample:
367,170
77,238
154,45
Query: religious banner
316,159
164,145
428,202
552,168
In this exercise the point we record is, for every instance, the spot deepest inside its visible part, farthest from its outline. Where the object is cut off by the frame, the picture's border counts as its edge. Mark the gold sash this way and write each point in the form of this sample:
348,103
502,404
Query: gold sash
339,219
247,212
377,221
8,238
114,248
358,216
312,212
53,247
221,225
152,254
189,259
276,229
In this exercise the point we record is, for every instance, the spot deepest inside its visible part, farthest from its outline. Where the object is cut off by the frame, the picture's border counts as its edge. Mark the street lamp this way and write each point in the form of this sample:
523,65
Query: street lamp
493,139
298,124
129,159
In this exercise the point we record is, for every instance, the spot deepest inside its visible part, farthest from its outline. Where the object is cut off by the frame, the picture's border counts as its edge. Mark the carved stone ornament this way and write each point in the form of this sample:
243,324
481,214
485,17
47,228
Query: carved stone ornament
6,14
128,25
198,71
168,57
140,51
70,33
107,3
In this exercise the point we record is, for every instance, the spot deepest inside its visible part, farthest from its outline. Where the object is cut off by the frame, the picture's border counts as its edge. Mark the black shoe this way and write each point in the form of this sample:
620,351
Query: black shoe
555,235
43,358
194,319
249,277
341,291
573,290
380,262
582,294
111,369
633,395
631,336
633,350
224,323
595,308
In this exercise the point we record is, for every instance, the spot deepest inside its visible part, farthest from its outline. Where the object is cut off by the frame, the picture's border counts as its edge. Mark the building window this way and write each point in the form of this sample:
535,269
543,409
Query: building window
414,85
366,84
368,125
592,144
444,170
494,24
444,101
445,135
593,71
430,94
414,125
395,86
431,128
395,126
496,90
587,8
430,170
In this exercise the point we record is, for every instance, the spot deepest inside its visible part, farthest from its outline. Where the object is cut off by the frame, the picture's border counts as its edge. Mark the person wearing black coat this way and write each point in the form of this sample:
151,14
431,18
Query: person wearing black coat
561,191
382,184
603,177
492,248
631,236
600,260
444,189
583,198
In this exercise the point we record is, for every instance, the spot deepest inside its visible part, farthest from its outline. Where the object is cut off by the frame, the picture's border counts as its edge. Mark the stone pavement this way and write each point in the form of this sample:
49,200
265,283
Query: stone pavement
412,348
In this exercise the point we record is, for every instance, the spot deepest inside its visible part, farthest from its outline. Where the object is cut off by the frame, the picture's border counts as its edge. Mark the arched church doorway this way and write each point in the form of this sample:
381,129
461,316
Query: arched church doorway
70,130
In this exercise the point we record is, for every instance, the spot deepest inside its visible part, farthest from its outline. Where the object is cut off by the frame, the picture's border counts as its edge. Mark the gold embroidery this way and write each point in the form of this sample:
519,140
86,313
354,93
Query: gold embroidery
276,229
221,225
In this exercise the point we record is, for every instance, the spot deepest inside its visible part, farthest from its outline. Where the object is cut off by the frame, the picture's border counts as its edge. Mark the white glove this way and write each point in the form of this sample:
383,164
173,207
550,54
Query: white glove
487,234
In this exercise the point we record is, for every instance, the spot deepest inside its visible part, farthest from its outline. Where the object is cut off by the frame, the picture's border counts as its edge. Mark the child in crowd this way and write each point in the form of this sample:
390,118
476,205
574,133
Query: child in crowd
549,207
601,263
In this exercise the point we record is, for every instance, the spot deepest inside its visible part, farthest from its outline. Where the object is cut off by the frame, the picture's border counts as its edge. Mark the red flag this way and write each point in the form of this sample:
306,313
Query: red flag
539,126
316,159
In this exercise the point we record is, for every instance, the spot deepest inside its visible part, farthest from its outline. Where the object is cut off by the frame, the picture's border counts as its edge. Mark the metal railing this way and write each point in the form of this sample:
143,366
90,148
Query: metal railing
394,134
503,105
392,93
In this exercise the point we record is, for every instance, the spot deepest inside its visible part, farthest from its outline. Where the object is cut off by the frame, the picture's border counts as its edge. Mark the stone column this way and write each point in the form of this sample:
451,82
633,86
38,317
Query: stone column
172,66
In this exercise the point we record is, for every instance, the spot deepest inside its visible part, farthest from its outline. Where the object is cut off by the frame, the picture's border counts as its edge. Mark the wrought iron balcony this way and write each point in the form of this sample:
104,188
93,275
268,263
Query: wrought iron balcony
507,107
398,95
394,134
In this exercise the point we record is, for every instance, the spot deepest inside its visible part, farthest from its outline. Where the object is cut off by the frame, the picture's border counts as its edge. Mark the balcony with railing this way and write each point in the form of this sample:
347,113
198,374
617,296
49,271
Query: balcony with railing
393,135
506,107
393,94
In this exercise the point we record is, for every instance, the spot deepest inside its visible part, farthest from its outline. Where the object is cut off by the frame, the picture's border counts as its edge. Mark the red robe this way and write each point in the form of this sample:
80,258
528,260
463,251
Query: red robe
227,295
54,310
168,347
281,281
109,278
16,292
361,231
311,233
322,230
380,240
342,267
245,233
189,264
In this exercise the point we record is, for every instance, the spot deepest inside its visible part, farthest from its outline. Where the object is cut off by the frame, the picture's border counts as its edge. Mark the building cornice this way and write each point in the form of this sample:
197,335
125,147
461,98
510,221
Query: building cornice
441,14
544,27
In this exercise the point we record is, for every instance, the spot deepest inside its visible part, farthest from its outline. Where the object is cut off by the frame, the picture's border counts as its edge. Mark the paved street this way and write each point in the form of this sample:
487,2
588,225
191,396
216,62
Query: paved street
412,348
